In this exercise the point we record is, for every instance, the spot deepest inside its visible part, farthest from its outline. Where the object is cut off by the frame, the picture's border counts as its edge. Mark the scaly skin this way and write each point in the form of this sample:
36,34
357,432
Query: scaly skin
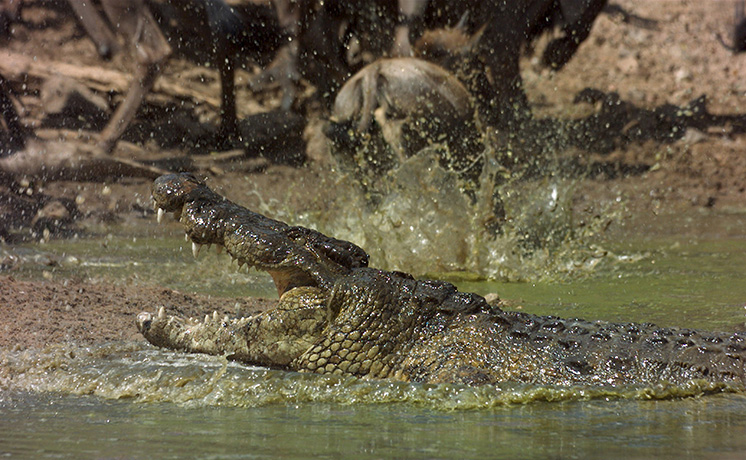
335,315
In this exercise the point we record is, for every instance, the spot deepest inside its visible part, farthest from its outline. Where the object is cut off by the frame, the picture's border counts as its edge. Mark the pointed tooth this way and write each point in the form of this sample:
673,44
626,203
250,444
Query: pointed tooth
161,212
215,316
225,319
195,249
161,313
186,237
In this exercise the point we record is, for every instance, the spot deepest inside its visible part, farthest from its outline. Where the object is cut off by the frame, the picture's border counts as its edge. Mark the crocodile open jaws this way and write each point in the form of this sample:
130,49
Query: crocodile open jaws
337,316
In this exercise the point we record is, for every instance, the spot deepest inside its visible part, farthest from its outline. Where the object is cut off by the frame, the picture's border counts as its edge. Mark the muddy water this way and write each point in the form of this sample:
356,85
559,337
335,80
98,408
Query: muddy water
132,401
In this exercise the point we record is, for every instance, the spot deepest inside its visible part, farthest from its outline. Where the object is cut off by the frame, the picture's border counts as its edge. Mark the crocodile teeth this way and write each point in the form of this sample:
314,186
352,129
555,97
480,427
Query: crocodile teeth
161,212
161,313
207,319
195,249
186,237
215,316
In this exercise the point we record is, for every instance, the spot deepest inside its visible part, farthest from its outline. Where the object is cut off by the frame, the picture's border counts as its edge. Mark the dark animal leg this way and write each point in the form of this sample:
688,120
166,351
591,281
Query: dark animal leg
96,28
289,78
739,31
10,12
228,118
283,70
508,104
559,51
145,76
17,139
226,28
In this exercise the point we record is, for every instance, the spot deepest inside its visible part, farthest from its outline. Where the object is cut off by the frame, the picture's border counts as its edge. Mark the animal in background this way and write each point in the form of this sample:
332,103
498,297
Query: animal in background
220,30
508,26
132,20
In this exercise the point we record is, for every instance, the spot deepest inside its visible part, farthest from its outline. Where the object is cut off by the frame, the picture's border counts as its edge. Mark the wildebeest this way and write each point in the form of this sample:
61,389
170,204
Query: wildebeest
133,21
508,26
220,30
333,34
395,107
329,31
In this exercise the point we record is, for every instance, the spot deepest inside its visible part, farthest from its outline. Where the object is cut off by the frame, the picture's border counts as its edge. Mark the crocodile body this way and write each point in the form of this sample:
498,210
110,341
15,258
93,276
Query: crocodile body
338,316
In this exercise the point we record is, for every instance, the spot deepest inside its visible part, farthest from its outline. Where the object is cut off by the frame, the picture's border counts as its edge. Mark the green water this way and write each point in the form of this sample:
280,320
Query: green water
152,254
129,400
44,426
698,283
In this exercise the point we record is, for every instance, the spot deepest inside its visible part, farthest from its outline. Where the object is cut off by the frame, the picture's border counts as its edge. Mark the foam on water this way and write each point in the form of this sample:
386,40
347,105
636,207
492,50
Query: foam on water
137,372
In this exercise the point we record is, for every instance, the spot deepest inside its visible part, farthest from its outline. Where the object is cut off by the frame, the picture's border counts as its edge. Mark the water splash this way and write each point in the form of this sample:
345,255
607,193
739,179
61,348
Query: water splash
419,221
137,372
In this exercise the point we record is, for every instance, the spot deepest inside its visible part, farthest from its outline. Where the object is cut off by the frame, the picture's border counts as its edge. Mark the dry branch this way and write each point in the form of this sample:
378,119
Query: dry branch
14,66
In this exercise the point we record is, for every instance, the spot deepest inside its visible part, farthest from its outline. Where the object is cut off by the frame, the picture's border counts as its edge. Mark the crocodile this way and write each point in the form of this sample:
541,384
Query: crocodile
337,315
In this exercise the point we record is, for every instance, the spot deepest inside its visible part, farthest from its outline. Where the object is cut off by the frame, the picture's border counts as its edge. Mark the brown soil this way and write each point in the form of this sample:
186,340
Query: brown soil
40,313
673,63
